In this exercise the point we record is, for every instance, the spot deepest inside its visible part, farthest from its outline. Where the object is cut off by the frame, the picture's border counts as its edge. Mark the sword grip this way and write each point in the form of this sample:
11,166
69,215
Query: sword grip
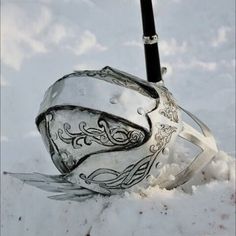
153,67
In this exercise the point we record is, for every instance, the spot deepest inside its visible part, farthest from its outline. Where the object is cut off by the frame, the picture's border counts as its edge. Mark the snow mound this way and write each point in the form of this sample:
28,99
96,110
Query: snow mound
203,206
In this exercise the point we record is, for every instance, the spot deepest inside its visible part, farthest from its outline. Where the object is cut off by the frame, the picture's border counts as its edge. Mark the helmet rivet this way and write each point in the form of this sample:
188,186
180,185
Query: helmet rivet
166,151
114,100
141,111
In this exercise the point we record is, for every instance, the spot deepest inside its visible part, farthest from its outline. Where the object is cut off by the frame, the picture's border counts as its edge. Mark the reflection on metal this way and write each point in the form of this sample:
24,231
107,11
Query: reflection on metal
170,107
108,144
150,39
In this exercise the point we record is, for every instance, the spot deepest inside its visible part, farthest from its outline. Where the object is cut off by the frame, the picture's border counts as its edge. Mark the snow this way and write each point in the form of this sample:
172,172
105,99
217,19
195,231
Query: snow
197,46
203,206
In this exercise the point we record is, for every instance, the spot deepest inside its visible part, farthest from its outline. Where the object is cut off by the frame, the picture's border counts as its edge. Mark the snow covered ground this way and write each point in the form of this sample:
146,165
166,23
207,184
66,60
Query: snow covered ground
43,40
205,206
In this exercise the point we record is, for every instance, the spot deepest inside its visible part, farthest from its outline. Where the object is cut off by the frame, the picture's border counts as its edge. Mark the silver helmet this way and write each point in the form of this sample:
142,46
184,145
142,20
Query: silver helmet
109,132
108,144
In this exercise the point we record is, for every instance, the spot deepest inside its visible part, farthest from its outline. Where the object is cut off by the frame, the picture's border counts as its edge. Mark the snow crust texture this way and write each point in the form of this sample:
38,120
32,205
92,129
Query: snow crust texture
203,206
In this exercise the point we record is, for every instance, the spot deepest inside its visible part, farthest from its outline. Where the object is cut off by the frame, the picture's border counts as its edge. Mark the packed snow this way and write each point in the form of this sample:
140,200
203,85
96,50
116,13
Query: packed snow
45,39
204,206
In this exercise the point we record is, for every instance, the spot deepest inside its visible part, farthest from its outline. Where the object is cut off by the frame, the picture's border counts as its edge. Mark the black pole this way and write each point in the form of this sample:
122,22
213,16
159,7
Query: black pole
153,67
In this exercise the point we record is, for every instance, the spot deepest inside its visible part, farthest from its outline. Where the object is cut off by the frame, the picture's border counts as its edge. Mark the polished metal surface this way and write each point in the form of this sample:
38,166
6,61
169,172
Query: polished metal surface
150,39
110,144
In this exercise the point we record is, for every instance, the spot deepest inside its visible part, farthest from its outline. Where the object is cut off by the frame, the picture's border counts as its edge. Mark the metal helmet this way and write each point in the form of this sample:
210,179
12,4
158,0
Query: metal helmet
109,132
115,142
111,142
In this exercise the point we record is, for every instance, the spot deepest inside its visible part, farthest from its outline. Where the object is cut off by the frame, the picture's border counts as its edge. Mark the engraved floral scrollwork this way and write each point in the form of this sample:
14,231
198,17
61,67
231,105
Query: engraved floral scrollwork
136,172
170,107
67,158
162,137
104,134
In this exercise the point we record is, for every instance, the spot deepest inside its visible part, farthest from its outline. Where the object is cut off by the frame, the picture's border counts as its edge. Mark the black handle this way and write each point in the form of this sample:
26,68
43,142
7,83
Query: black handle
153,67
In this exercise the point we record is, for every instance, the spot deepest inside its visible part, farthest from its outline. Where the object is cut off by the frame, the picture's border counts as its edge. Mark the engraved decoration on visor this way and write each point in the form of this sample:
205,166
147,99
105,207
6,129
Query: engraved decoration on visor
103,150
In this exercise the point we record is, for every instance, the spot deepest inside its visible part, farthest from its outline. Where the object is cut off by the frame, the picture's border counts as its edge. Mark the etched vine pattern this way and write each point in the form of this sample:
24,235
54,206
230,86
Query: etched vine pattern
104,134
136,172
170,108
67,158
